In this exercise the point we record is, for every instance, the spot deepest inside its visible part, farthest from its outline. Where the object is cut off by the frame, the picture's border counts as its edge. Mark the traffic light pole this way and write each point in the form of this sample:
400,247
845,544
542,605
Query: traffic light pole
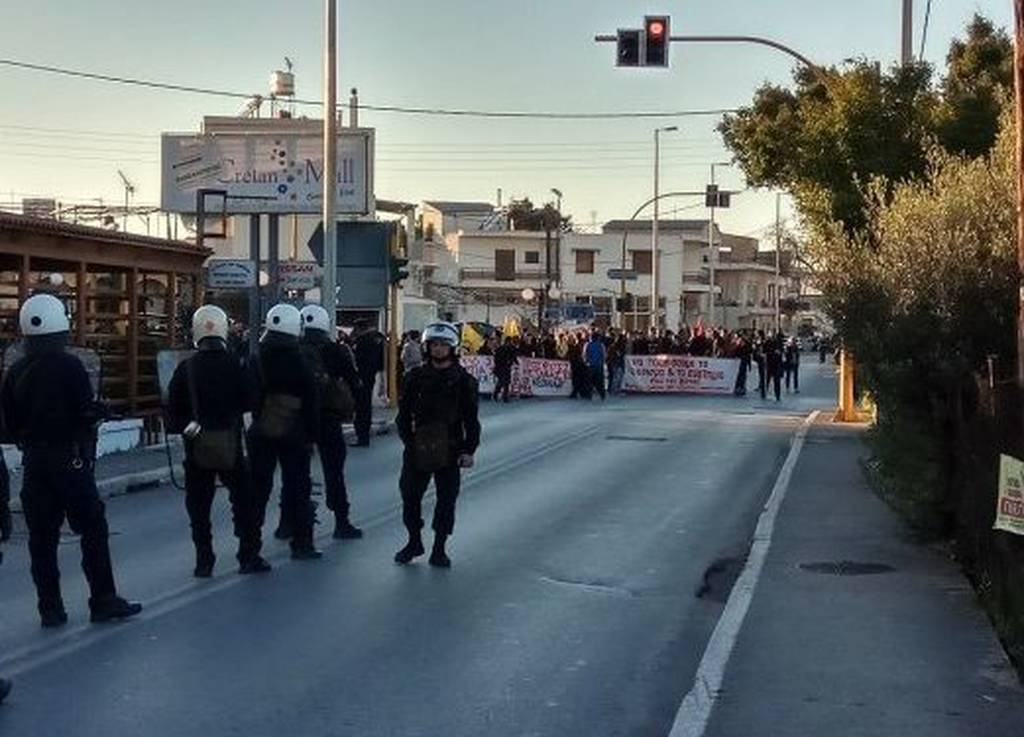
760,41
329,284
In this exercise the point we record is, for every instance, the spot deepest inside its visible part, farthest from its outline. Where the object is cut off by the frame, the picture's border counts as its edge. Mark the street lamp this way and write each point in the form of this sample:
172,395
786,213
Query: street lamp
711,246
654,224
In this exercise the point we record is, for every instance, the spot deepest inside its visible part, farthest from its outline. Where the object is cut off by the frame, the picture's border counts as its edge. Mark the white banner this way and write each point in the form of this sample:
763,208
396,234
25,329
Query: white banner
1010,509
674,374
531,377
264,172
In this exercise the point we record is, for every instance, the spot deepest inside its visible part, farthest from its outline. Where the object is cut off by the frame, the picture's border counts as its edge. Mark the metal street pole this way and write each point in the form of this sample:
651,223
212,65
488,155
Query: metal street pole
655,255
907,45
711,259
329,285
778,258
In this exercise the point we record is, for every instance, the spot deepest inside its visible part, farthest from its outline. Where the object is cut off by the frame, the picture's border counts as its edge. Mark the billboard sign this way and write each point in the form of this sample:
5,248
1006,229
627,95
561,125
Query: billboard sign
265,172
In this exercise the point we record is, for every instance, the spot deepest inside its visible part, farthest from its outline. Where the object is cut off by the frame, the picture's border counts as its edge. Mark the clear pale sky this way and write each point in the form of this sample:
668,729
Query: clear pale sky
67,138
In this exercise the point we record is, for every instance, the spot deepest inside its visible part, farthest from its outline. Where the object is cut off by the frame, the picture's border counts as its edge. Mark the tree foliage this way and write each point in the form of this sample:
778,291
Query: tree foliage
524,215
826,139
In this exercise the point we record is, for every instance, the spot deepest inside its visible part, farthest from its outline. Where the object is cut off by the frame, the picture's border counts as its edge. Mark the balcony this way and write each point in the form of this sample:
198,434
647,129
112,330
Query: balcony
528,275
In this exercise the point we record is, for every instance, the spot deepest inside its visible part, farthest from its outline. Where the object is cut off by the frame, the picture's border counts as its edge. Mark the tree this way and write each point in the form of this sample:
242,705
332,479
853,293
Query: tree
825,142
523,215
979,79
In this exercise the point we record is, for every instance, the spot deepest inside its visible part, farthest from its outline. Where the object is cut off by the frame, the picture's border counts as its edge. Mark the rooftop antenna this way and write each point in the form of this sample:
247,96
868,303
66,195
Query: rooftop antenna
129,193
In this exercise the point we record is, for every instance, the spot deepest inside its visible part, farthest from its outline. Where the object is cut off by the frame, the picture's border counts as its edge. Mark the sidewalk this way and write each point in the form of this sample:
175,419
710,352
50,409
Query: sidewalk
146,467
903,653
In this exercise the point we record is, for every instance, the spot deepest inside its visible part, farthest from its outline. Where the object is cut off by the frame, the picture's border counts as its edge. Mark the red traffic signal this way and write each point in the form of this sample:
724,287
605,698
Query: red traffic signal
656,32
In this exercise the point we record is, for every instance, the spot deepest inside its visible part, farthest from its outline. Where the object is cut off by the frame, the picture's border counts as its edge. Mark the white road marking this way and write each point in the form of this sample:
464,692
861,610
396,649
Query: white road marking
695,712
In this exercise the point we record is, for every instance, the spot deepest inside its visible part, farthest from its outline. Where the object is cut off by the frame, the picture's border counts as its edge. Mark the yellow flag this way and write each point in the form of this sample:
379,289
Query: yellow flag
510,328
472,341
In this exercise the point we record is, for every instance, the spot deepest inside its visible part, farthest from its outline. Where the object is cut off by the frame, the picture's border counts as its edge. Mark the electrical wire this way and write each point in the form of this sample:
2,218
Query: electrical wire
49,69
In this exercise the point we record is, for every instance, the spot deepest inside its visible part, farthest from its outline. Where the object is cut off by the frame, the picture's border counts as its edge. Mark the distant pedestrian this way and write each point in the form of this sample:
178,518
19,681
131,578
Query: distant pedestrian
774,363
595,356
792,365
412,352
369,352
506,357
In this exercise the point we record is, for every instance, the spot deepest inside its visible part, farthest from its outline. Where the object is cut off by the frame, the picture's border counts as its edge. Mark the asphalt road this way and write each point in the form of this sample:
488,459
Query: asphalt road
582,541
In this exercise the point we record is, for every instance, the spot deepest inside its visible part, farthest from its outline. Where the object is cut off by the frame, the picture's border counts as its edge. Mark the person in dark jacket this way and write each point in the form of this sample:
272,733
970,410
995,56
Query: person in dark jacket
285,425
369,351
5,685
758,357
438,424
595,354
49,410
337,383
208,394
745,353
505,358
792,365
6,521
773,363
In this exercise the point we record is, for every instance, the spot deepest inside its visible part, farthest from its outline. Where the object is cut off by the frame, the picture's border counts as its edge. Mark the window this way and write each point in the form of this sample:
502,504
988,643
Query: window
642,262
532,257
584,262
504,265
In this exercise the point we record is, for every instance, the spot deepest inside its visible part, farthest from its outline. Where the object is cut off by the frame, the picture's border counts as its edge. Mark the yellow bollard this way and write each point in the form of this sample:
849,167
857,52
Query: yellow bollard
847,401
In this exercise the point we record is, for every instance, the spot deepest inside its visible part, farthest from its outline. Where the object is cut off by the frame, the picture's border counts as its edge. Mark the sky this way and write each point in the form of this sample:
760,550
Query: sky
67,138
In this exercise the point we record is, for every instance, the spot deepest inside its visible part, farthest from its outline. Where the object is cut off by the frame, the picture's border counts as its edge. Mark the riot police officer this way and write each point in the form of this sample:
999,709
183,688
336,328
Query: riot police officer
285,425
439,426
49,409
6,521
337,386
207,398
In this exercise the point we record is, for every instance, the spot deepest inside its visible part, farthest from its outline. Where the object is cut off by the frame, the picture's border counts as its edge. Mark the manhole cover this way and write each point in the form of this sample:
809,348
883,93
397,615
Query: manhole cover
636,439
846,568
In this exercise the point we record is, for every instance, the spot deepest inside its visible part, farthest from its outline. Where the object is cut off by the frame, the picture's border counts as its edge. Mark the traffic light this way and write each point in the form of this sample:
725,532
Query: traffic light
397,271
630,43
656,34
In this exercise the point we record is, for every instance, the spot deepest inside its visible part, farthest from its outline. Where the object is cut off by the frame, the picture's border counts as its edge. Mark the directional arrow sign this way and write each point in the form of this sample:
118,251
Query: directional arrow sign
620,274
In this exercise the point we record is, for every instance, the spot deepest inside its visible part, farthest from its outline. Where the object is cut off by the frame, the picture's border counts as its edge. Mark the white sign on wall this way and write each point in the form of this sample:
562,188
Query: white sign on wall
230,273
298,275
265,172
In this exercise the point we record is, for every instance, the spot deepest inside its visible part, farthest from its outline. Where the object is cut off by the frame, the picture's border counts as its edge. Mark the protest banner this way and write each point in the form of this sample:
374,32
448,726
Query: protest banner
1010,506
676,374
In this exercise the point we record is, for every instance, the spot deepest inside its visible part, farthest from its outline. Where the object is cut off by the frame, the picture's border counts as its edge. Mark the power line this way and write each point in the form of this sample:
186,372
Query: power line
374,108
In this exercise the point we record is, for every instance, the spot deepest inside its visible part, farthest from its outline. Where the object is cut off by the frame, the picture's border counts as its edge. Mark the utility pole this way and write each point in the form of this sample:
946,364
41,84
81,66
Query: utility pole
655,255
907,46
329,285
711,258
1018,73
778,258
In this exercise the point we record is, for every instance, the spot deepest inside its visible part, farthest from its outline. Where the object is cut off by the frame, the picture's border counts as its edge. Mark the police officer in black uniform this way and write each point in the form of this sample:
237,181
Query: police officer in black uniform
6,521
285,426
207,398
369,351
439,426
5,685
49,409
337,384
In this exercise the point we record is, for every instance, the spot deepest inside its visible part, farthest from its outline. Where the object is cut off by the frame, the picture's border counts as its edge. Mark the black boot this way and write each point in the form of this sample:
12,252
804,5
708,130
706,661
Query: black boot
6,523
284,530
253,564
51,616
438,557
111,608
5,688
205,560
345,530
412,549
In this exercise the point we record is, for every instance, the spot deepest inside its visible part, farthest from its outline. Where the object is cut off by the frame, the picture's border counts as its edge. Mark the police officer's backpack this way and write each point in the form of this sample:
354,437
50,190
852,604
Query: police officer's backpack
335,395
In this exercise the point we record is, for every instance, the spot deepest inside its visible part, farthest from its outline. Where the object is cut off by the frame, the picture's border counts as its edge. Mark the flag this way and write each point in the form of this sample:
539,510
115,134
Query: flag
472,340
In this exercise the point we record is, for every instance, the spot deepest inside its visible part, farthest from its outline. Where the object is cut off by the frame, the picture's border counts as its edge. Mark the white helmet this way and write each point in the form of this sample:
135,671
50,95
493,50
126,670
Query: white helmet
315,317
442,331
43,314
284,318
209,321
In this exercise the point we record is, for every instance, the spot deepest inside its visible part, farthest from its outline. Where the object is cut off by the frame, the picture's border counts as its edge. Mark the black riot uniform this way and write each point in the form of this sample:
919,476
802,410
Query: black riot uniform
211,389
332,362
279,371
6,522
437,413
369,352
49,410
5,685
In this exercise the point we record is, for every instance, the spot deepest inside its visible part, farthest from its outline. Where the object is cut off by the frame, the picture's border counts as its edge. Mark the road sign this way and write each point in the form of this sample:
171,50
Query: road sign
299,275
231,273
622,274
